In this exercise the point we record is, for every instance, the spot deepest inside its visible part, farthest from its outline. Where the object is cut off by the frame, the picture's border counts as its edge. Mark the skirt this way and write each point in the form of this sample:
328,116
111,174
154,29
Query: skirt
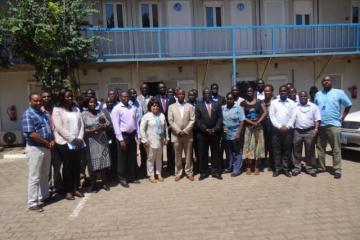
98,153
254,146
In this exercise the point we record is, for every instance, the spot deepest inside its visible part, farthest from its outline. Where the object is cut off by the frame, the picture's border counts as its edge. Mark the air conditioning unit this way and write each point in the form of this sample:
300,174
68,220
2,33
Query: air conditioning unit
11,138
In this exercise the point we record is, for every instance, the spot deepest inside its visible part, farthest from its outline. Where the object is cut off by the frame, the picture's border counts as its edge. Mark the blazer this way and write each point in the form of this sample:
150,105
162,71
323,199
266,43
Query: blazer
178,123
221,100
204,121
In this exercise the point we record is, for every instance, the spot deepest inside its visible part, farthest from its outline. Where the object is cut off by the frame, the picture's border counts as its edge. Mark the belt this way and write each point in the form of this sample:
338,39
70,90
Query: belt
129,134
304,130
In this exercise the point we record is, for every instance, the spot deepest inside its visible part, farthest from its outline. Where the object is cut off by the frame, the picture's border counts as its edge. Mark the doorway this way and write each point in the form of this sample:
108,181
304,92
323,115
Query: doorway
153,88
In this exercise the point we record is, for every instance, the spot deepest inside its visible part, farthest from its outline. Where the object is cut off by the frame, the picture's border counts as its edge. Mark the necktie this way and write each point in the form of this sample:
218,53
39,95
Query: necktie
163,102
208,106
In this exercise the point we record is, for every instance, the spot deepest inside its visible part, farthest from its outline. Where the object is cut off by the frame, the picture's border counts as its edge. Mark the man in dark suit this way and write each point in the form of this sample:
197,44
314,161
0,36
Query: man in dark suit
164,102
209,123
215,97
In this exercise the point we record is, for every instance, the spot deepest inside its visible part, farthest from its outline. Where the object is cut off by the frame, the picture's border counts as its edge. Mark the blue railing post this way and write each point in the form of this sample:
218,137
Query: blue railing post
233,45
273,40
358,38
159,43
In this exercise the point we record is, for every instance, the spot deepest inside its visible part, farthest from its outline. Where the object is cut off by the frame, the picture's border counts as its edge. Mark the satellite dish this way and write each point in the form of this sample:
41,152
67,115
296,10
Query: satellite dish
9,138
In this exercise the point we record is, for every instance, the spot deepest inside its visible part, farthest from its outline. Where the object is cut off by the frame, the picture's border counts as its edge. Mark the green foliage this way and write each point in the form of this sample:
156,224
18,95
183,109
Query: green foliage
48,35
4,60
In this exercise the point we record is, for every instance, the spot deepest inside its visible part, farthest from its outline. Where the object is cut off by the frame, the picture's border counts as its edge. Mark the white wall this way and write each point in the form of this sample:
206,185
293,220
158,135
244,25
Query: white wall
334,11
13,91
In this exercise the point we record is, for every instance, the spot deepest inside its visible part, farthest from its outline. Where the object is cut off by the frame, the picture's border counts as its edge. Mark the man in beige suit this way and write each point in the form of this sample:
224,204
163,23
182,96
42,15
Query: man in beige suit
181,116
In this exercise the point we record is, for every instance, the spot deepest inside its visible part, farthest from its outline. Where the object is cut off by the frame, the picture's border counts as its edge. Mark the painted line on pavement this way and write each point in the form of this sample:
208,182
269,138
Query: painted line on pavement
80,206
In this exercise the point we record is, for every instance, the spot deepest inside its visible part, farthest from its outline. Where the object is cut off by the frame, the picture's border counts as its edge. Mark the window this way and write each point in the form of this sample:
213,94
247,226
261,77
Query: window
302,19
213,16
149,15
355,14
114,15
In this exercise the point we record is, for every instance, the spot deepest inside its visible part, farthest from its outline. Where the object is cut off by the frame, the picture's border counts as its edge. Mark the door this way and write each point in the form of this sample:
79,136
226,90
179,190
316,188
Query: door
242,15
273,39
180,42
277,81
302,38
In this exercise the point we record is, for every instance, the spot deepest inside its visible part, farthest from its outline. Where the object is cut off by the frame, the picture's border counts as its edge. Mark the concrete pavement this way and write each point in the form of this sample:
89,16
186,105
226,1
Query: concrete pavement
246,207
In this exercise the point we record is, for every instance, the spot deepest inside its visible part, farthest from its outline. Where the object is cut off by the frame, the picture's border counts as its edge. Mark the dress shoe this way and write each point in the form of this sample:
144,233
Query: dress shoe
124,183
295,173
106,187
287,173
320,170
337,175
160,178
276,174
135,181
177,178
190,177
235,174
218,176
203,176
36,208
78,194
313,174
69,196
227,171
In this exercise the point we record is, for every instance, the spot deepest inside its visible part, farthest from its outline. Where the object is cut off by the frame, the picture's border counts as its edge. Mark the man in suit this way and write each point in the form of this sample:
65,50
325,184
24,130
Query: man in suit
215,97
209,123
165,102
181,118
192,100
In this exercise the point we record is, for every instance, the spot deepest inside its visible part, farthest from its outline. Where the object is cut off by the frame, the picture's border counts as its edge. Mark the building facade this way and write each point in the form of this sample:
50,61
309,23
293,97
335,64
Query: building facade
193,43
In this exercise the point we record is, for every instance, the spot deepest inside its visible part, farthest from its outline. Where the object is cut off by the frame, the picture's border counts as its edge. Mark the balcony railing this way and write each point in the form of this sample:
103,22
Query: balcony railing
229,42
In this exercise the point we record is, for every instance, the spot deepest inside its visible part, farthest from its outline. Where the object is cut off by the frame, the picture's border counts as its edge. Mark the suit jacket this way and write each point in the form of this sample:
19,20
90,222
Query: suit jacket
220,99
204,121
178,123
144,102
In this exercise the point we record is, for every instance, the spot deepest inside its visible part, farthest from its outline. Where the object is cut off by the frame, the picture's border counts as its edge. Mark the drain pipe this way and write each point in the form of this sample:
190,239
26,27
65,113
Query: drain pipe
266,67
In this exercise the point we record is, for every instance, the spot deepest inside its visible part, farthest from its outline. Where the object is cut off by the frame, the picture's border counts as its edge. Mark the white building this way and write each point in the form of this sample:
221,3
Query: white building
193,43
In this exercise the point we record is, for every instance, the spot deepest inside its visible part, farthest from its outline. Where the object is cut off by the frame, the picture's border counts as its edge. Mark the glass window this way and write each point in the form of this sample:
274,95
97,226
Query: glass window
120,17
114,15
109,12
209,17
145,15
155,15
307,19
298,19
218,16
355,14
149,15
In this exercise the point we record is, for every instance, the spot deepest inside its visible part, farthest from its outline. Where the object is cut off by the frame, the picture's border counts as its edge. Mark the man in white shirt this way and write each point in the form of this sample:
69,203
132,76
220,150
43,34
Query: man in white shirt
282,116
307,123
260,94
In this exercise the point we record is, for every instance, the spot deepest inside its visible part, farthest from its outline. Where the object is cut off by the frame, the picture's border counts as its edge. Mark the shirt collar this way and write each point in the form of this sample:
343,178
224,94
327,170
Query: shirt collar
122,105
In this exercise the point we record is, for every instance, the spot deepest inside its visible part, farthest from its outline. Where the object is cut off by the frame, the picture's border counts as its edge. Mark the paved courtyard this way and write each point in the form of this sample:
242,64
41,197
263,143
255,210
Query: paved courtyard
246,207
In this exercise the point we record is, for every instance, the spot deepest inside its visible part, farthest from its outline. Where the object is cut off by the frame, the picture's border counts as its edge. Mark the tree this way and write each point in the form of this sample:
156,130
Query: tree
48,35
4,56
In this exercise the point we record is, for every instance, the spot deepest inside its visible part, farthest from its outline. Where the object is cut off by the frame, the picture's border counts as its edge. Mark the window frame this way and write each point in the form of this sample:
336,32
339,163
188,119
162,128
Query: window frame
114,4
214,5
150,3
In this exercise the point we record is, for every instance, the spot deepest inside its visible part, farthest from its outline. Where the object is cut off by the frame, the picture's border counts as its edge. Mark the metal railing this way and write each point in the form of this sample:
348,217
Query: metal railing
228,42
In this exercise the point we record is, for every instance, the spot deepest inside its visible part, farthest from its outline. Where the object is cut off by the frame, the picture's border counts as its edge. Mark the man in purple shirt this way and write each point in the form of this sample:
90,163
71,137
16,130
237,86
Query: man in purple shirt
125,125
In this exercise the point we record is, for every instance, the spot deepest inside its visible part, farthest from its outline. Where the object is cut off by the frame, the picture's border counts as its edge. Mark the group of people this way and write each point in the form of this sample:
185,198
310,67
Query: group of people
249,127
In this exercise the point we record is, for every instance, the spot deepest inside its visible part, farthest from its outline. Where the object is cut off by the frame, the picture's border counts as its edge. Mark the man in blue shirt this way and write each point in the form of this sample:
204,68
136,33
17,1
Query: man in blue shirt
39,142
329,100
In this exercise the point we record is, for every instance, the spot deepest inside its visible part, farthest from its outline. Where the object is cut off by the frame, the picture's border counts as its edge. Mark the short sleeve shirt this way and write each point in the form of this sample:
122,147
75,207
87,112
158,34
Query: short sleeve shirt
36,121
231,120
329,104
